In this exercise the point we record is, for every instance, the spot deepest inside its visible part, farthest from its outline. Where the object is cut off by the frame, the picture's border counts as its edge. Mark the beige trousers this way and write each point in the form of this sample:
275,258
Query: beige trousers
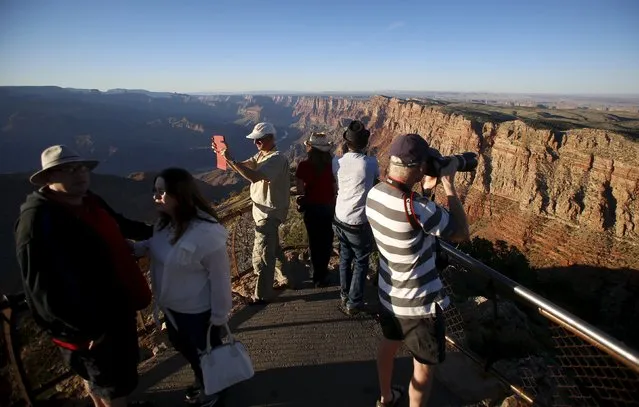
268,258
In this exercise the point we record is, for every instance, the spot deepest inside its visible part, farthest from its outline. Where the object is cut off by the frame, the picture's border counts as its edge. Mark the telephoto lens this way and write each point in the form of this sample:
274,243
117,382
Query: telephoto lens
465,162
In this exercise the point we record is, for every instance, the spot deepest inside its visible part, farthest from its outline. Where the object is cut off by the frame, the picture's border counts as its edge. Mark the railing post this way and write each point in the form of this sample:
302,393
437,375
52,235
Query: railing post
234,267
13,350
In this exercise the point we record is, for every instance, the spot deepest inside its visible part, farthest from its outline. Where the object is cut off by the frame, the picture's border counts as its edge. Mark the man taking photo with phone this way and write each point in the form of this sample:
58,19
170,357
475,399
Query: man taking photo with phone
405,226
268,173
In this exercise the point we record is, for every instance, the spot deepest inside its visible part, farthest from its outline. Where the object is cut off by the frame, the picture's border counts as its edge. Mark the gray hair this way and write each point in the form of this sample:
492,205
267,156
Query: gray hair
398,170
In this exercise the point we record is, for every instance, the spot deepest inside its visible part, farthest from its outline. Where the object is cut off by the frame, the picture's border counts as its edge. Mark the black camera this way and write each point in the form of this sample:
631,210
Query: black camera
465,162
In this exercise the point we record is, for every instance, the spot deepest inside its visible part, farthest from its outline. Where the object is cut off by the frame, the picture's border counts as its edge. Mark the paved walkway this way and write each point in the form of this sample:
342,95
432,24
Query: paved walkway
305,352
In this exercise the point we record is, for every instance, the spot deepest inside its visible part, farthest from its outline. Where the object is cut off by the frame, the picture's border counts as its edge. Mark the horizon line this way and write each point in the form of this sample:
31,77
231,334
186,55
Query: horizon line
380,92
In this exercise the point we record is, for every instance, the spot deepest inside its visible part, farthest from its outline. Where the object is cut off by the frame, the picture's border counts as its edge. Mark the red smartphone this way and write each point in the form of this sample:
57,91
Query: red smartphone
220,144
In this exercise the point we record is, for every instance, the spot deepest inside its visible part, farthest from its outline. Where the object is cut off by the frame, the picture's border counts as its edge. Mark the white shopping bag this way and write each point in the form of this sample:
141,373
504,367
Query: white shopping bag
224,365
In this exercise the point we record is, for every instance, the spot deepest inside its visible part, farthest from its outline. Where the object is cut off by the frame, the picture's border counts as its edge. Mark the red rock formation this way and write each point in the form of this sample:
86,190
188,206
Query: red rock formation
252,113
562,197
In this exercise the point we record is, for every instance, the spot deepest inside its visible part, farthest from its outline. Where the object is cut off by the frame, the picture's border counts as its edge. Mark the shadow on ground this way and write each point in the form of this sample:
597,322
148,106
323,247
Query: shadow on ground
352,384
305,351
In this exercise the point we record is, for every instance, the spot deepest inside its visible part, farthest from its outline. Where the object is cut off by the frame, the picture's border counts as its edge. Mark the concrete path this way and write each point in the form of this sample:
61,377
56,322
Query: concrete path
305,352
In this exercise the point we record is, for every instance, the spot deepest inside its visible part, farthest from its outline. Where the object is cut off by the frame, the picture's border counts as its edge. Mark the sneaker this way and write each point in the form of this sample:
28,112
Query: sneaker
196,397
322,283
192,394
397,393
257,301
351,312
281,285
209,401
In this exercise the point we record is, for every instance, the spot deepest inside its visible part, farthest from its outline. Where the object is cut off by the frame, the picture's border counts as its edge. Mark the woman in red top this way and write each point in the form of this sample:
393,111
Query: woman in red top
315,180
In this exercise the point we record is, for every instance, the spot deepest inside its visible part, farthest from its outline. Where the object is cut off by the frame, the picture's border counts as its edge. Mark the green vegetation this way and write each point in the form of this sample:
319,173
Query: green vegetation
549,118
293,231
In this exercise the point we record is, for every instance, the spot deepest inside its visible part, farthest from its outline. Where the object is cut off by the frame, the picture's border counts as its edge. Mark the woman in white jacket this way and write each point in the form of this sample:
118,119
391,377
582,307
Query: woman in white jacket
190,272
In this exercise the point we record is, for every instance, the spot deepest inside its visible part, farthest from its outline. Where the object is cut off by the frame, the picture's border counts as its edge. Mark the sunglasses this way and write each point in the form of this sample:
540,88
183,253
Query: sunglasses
263,139
72,169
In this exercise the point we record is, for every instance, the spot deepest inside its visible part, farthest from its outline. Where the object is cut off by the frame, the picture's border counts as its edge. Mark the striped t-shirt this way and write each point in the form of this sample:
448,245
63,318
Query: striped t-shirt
409,284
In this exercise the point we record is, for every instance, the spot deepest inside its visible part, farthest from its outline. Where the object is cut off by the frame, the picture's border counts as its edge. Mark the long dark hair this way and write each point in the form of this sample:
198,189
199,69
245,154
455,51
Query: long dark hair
181,185
319,159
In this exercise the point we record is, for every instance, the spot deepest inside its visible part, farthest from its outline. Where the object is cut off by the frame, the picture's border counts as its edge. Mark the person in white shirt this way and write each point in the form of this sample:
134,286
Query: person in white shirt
355,173
190,270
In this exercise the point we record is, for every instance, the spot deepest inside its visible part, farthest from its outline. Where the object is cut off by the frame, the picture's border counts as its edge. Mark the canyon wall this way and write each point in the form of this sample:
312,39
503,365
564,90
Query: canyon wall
563,197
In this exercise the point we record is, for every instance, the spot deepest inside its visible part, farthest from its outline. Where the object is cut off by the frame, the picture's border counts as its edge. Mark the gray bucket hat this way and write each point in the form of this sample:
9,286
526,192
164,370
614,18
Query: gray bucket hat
319,141
56,156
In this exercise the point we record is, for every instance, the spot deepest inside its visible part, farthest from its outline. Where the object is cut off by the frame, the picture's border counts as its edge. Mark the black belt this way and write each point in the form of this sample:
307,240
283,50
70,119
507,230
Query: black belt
352,228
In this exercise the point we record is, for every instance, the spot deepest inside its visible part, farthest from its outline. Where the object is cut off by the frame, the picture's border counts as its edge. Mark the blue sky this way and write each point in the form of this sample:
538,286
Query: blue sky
560,46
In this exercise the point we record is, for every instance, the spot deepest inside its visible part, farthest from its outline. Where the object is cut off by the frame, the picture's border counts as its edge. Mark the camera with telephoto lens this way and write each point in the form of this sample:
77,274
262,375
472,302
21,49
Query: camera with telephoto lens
465,162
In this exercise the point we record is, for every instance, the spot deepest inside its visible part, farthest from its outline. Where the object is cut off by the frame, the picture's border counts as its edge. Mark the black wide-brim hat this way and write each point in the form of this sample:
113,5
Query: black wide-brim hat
357,133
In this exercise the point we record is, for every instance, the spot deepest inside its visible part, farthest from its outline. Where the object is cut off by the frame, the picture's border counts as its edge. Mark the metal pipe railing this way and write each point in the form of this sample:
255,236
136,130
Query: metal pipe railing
561,317
12,347
594,336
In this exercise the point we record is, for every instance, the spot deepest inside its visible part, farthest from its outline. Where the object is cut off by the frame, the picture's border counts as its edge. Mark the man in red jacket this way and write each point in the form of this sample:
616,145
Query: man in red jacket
80,278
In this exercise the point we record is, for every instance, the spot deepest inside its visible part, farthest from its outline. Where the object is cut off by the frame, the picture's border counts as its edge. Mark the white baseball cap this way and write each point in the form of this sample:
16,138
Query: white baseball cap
262,129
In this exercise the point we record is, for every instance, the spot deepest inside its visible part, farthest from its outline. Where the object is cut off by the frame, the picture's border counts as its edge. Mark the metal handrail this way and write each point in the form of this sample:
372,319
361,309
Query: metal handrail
226,216
561,317
594,336
8,327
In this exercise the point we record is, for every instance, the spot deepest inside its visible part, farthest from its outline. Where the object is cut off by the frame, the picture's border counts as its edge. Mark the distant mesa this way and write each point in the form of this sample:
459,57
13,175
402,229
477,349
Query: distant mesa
137,176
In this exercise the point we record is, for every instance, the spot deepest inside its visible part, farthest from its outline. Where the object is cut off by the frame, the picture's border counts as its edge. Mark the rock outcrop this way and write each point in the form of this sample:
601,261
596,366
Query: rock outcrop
563,197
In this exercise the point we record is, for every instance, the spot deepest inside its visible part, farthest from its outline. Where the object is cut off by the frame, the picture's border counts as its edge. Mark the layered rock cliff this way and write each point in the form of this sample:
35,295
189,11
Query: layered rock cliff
563,197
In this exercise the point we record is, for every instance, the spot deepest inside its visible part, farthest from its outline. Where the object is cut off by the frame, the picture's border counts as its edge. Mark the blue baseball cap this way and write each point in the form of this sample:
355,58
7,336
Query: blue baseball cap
410,149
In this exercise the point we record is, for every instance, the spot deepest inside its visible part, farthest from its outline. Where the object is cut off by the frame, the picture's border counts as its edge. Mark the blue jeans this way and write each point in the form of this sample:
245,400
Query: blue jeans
355,246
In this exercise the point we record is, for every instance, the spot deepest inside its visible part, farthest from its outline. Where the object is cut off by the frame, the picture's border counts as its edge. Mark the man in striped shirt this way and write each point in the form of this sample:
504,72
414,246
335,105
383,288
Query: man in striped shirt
406,226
